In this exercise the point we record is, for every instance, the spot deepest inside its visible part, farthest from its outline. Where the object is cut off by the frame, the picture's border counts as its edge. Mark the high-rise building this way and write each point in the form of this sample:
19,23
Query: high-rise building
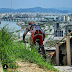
56,26
68,19
57,31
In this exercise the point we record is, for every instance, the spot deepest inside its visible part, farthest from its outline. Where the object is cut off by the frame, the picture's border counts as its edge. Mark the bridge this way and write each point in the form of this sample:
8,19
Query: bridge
21,19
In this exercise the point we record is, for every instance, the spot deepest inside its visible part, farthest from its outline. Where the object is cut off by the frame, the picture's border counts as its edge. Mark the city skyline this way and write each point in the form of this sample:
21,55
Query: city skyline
17,4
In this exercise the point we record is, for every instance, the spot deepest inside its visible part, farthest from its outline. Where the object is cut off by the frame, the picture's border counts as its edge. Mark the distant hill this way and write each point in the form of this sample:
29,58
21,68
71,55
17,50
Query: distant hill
36,9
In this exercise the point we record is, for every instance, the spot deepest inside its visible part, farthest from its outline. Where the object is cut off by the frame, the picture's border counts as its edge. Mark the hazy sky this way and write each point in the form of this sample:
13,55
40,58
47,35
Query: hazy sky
36,3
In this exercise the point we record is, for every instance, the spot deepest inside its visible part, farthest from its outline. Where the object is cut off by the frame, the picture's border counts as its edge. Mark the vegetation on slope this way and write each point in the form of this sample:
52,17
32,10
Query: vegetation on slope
10,51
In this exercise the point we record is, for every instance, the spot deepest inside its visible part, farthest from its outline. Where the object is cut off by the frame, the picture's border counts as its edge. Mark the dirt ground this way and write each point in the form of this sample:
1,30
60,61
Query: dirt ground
28,67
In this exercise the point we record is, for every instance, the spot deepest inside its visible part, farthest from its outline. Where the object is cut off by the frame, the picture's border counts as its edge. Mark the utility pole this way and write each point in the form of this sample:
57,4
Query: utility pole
11,5
11,9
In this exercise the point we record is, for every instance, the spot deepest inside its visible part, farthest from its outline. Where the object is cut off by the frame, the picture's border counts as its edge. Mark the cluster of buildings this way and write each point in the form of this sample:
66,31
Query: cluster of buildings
44,17
60,18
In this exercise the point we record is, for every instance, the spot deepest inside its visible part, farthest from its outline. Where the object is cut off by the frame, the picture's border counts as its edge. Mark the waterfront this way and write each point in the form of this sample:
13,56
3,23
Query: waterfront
11,25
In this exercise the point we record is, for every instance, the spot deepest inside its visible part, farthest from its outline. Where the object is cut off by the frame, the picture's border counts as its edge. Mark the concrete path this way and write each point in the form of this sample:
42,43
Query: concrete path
64,68
1,69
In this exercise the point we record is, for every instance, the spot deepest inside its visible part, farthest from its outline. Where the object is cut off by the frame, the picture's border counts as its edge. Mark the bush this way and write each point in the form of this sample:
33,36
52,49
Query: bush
6,52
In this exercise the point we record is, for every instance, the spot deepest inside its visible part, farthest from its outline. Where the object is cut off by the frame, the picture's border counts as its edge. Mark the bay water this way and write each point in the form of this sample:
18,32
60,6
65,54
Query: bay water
12,26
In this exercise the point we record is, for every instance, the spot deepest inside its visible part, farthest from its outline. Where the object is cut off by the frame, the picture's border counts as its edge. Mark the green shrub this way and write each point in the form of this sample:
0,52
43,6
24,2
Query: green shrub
6,53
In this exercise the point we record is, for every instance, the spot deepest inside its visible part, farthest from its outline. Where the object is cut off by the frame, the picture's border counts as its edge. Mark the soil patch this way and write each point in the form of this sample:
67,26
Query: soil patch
28,67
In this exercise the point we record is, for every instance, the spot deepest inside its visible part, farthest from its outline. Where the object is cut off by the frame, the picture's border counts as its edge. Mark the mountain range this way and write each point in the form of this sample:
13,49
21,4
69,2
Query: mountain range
37,10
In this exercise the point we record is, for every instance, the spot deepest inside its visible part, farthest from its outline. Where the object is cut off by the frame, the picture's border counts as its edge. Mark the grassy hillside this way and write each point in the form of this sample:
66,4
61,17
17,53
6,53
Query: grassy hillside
10,51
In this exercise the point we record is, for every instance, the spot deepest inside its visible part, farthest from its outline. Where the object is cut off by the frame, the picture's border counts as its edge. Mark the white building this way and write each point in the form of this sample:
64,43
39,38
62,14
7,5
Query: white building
68,19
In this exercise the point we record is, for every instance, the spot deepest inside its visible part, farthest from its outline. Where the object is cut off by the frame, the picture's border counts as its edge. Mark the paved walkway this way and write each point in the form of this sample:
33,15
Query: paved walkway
1,69
64,68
